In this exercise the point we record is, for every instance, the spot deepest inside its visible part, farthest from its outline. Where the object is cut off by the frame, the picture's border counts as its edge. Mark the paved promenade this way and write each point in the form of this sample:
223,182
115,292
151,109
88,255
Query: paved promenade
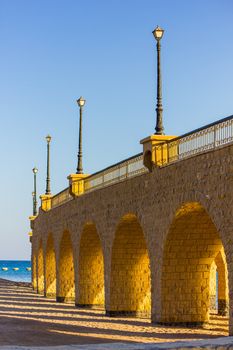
29,320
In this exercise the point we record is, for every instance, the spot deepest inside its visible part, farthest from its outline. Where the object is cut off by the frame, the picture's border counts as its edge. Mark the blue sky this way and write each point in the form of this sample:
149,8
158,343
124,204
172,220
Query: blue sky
53,51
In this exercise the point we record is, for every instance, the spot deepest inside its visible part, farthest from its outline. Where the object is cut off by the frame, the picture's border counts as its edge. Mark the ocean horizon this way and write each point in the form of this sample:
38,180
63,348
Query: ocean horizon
16,270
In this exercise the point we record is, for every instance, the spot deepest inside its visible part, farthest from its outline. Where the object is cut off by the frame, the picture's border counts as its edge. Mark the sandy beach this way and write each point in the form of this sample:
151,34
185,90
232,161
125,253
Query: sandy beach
31,320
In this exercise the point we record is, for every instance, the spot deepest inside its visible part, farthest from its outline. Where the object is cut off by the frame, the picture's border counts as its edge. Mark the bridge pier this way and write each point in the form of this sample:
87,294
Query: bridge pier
50,269
66,285
130,284
90,268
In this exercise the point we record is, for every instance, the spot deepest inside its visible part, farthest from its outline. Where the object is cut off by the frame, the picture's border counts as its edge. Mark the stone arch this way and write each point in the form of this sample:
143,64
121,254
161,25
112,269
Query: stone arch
90,268
50,268
191,246
130,284
66,283
40,269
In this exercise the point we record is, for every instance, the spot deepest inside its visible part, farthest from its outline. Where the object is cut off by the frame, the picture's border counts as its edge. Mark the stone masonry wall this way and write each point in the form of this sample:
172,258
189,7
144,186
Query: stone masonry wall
155,200
213,288
90,268
223,292
41,281
130,273
66,290
191,246
34,271
50,269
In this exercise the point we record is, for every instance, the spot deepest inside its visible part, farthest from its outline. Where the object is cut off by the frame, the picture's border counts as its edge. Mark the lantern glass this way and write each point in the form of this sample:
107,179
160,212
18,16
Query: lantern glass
48,138
158,33
81,101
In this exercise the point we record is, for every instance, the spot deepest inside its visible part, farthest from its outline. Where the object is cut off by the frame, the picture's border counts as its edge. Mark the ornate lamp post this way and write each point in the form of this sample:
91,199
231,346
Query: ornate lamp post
33,199
81,103
34,170
48,190
159,129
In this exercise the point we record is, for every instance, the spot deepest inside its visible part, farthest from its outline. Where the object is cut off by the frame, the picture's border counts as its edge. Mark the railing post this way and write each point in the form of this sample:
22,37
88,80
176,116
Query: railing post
168,152
215,136
231,133
162,155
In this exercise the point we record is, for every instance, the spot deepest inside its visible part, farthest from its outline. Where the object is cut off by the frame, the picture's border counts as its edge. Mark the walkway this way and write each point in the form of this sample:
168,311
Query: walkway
31,320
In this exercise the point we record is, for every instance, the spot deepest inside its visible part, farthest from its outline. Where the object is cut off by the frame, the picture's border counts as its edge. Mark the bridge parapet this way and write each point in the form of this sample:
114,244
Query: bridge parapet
61,197
207,138
163,150
121,171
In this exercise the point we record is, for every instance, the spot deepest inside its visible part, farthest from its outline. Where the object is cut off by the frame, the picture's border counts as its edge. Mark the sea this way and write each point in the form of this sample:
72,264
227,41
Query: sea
15,270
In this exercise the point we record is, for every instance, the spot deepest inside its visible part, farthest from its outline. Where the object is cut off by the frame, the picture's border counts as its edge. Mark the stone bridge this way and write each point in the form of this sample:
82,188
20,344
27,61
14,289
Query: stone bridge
152,240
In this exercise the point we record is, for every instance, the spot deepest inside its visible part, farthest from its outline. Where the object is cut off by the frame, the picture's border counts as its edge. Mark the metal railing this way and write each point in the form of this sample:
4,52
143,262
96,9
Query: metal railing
60,198
128,168
121,171
200,140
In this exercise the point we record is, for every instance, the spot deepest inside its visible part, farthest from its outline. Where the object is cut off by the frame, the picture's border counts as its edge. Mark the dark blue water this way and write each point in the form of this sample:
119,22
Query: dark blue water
21,275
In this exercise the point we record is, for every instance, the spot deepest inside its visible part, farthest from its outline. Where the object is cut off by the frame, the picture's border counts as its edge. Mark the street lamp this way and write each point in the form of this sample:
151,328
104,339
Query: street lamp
81,103
48,190
34,170
159,129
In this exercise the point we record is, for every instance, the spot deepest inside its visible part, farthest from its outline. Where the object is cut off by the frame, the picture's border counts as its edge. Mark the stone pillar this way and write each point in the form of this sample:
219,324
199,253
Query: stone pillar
30,236
223,303
46,202
213,291
34,271
155,150
40,270
76,183
66,291
32,218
